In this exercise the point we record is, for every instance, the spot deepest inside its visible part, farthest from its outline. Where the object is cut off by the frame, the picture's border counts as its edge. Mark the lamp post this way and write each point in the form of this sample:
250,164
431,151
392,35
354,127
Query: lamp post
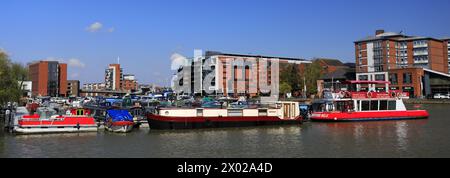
304,87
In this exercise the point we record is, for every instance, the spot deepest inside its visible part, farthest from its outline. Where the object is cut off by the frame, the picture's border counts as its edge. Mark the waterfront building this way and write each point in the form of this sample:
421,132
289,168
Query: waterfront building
26,88
73,88
219,67
49,78
447,41
113,77
413,64
331,65
147,88
129,82
335,73
89,89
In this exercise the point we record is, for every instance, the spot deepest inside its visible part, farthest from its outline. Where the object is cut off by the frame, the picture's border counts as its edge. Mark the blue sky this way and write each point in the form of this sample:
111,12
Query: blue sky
145,33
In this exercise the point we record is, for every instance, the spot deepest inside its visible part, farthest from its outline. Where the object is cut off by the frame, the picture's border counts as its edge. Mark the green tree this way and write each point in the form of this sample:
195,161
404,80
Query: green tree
290,75
285,88
20,73
10,74
311,74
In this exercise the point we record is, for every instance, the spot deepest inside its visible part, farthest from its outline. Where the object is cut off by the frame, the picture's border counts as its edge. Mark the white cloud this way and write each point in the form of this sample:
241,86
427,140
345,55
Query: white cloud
75,75
94,27
54,59
110,30
177,61
75,63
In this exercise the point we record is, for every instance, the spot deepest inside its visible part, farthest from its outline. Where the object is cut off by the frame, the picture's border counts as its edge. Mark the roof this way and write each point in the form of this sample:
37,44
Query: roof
331,62
216,53
341,73
418,38
387,35
436,72
396,37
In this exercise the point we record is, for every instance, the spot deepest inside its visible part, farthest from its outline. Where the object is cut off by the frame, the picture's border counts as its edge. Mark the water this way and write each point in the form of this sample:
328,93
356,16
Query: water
413,138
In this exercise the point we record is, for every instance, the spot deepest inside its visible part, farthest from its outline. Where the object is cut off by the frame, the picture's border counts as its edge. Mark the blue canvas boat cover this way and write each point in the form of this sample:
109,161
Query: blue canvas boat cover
120,115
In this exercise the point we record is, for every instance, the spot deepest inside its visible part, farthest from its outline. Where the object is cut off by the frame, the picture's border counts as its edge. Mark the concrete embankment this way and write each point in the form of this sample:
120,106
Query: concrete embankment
427,101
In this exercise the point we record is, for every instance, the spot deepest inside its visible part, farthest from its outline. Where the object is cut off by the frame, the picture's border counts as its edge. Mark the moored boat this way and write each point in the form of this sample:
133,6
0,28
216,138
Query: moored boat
118,120
346,106
193,118
46,120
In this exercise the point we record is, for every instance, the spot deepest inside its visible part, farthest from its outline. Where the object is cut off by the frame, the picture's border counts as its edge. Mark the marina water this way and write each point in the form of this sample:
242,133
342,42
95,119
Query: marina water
408,138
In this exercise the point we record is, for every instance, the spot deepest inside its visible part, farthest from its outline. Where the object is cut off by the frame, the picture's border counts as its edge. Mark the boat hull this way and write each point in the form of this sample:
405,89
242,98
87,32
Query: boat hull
169,123
44,130
32,124
120,127
368,116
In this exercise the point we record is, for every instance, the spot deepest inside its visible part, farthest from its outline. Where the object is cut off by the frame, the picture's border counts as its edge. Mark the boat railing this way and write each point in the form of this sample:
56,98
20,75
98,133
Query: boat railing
366,95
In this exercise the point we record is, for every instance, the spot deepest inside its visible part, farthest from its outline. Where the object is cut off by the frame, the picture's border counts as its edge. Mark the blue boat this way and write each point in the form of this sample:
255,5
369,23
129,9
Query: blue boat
118,120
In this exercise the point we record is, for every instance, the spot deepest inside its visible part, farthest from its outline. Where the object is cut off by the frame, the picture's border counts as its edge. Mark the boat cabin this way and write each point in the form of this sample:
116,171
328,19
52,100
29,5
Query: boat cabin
79,112
356,98
283,110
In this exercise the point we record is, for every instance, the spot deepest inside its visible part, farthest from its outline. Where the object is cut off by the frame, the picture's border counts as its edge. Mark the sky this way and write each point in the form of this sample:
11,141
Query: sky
90,34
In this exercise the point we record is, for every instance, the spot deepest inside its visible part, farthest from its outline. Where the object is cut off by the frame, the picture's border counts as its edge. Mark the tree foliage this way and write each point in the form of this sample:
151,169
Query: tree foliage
285,88
312,73
290,75
10,74
296,79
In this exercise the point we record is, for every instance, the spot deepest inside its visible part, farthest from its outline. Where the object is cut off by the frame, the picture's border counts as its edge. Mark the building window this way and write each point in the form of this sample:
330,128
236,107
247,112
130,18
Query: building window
420,43
380,77
393,79
407,78
363,77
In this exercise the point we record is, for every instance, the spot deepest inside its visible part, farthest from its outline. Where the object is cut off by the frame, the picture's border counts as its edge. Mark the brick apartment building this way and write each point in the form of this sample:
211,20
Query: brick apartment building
113,77
334,73
73,88
414,64
49,78
115,81
222,74
129,82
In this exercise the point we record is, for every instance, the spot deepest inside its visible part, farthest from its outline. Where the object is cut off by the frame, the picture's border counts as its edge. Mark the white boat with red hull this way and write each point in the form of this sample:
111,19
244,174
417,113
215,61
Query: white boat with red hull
347,106
46,120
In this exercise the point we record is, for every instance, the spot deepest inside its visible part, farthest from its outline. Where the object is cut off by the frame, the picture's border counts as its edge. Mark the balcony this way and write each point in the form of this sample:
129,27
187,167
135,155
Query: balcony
422,45
421,62
420,53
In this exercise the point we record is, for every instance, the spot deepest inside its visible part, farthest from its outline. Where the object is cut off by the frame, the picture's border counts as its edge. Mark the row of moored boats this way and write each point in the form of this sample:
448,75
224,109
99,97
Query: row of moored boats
340,106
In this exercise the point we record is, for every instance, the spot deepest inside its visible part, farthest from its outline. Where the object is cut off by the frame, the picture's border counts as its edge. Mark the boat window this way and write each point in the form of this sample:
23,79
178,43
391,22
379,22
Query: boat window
262,112
392,105
365,105
234,112
329,107
374,105
80,112
200,112
340,106
383,105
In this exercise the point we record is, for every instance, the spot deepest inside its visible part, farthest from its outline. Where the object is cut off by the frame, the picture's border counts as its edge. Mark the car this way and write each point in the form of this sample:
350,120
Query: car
441,96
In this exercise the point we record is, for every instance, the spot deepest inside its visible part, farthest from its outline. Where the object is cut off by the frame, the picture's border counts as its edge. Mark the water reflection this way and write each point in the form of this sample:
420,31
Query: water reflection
402,135
412,138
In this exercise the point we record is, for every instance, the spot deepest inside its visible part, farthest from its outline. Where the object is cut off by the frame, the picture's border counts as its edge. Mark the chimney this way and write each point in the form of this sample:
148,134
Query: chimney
381,31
